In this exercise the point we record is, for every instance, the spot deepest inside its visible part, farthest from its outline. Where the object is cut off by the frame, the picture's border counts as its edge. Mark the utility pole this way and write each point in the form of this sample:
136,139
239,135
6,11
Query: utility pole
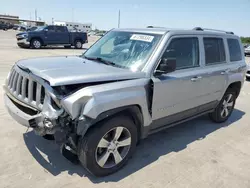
119,17
35,15
52,21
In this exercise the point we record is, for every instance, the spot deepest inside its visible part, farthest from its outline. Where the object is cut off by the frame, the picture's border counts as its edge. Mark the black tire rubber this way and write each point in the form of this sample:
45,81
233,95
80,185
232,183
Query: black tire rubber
216,114
87,145
67,47
32,43
76,47
49,137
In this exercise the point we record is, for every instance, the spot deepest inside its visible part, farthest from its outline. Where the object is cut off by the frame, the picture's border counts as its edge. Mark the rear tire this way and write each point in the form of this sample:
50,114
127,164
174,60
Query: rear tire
78,44
101,141
225,108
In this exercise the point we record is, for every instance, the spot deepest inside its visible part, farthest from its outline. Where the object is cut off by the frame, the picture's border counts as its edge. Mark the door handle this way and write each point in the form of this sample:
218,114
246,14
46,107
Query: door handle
225,72
196,78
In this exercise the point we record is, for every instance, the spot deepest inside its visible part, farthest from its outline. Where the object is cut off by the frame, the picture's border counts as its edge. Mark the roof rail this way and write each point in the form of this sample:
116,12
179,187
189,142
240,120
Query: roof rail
216,30
150,26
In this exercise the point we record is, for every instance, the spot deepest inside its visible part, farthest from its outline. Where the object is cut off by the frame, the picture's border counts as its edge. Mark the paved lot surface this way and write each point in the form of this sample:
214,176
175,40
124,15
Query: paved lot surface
195,154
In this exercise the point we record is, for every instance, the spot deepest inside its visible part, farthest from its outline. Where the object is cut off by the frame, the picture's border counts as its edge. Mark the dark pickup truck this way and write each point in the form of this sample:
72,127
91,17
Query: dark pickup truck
3,26
51,35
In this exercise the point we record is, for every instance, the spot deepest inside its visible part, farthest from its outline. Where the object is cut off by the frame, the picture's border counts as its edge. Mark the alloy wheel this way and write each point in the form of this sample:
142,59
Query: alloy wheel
37,44
113,147
227,106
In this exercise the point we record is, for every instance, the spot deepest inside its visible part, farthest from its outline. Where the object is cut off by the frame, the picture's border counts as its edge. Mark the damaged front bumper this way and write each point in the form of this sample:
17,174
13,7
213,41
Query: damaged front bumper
43,122
28,120
37,122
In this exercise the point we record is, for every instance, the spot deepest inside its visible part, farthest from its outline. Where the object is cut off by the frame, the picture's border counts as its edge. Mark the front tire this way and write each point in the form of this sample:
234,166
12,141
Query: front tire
107,147
36,44
225,108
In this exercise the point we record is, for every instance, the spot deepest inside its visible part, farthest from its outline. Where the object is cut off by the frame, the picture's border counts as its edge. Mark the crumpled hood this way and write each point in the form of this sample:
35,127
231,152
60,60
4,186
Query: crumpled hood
68,70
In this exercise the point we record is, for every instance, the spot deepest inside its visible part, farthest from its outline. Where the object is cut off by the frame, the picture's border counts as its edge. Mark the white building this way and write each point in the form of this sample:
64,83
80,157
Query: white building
74,26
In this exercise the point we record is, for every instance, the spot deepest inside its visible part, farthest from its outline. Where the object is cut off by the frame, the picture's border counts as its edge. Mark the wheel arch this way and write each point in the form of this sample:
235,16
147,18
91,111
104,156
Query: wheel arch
78,39
132,111
236,86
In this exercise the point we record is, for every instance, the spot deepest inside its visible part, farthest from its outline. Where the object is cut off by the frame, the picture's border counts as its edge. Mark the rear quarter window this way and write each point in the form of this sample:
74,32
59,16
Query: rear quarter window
234,49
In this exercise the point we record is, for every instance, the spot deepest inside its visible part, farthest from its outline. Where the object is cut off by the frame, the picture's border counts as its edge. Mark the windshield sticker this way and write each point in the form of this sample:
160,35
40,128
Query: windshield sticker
145,38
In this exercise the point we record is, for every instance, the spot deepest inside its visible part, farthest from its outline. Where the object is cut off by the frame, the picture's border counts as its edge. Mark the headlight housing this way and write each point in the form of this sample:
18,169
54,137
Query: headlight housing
25,35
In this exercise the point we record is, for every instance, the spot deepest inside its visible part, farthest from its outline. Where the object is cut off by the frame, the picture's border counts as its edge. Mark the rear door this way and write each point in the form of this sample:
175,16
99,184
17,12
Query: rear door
62,35
215,72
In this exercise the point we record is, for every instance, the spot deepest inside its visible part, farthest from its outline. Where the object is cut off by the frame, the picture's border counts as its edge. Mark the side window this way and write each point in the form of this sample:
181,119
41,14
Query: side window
234,49
51,28
214,50
60,29
185,51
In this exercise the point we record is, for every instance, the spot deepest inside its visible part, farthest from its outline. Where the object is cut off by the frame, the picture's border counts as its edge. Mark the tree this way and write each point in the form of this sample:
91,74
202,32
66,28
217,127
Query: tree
245,40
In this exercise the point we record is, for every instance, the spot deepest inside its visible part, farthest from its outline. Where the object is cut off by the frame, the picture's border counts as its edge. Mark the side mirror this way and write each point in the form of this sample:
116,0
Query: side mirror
166,66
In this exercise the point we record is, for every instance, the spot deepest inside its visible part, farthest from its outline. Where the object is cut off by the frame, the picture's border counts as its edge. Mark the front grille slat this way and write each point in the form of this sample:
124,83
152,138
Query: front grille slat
15,82
18,87
38,94
26,89
30,91
12,80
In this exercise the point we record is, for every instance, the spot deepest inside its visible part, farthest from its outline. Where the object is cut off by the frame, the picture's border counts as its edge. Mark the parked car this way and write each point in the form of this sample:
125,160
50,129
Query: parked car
246,45
15,27
51,35
247,51
129,84
248,72
22,28
3,26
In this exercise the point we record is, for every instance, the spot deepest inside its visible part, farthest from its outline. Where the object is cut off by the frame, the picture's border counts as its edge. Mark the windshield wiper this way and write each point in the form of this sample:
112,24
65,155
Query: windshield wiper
106,62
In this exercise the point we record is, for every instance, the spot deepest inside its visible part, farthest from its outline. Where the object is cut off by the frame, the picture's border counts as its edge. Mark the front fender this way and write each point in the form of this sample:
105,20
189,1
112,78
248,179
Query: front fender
95,100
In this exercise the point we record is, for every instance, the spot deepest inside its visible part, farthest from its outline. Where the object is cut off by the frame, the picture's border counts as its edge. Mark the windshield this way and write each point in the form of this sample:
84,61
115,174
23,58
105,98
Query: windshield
40,28
33,28
124,49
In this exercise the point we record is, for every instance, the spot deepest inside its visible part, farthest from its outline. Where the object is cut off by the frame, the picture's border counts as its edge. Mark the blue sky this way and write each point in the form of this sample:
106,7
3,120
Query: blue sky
230,15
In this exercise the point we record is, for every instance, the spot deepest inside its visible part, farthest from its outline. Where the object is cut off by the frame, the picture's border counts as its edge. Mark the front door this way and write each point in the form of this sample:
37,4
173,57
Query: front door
179,94
50,35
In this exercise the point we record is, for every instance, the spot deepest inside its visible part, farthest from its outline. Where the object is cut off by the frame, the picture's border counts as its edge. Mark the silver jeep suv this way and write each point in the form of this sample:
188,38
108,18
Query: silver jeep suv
129,84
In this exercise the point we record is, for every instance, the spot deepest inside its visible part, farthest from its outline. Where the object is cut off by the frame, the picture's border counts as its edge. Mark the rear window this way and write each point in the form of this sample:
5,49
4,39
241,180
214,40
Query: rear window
214,50
234,50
